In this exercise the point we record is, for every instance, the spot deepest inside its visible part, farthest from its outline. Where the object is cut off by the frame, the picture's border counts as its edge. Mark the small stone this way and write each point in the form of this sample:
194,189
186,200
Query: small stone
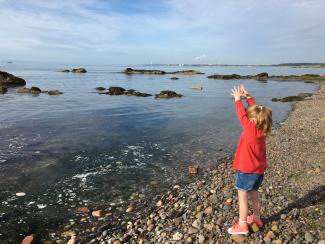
270,235
192,230
159,203
208,210
201,238
117,242
129,209
221,220
28,240
209,227
238,238
197,224
283,216
321,242
177,236
308,237
20,194
72,240
255,228
69,233
189,239
229,201
267,240
199,208
83,210
98,213
274,228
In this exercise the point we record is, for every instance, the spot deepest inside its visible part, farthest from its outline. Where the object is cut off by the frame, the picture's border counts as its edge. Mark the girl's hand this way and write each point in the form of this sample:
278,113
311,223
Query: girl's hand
236,93
243,90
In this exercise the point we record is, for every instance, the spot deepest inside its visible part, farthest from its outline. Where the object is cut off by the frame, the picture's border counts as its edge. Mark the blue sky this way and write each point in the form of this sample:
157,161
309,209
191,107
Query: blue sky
166,31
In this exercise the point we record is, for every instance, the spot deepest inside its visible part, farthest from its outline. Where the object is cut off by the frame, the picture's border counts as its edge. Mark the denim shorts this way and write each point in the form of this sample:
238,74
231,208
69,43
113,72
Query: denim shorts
247,182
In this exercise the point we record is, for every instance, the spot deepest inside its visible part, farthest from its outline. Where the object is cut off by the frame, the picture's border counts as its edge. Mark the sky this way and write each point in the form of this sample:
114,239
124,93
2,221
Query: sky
163,31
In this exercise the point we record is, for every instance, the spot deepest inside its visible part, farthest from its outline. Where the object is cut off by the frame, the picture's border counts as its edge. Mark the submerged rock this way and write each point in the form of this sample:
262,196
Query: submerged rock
32,90
132,92
65,70
174,78
168,94
193,169
54,92
3,90
79,70
7,79
100,88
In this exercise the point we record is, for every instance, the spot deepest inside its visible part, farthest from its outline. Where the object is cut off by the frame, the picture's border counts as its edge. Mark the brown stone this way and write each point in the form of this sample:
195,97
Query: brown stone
98,213
277,242
208,210
28,240
117,242
270,235
193,169
84,210
254,227
238,238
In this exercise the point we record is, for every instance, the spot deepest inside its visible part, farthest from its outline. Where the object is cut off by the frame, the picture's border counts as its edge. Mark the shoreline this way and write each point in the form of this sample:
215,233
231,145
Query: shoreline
201,212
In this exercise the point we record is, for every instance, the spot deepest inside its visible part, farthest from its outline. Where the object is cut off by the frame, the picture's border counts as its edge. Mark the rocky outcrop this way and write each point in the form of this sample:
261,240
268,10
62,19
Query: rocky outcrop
32,90
79,70
305,77
174,78
299,97
7,79
3,90
260,77
116,90
54,92
131,71
168,94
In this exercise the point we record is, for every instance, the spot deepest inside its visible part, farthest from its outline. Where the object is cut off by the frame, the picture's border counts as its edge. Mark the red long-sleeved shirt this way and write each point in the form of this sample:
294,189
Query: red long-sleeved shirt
250,155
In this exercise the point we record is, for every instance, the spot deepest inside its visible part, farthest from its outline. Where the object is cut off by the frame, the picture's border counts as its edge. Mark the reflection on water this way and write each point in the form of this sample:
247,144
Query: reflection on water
85,149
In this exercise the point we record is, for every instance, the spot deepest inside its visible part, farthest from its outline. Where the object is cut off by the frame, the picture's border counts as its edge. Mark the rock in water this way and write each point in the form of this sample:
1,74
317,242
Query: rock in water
7,79
197,87
115,90
79,70
65,70
193,169
54,92
168,94
100,88
174,78
32,90
20,194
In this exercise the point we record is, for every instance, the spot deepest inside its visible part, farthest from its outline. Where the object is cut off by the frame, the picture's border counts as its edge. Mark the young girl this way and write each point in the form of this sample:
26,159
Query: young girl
250,158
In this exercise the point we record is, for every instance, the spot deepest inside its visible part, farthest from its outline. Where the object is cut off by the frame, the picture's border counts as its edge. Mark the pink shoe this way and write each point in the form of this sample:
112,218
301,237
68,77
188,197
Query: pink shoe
237,229
253,219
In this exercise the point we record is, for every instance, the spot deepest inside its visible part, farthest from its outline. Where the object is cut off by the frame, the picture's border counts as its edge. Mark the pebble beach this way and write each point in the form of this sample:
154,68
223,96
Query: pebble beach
292,195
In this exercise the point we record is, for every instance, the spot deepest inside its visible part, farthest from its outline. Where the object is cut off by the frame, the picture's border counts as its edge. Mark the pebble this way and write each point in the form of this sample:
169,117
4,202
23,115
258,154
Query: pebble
197,224
97,213
309,238
255,228
201,239
20,194
159,203
208,210
270,235
129,209
177,236
238,238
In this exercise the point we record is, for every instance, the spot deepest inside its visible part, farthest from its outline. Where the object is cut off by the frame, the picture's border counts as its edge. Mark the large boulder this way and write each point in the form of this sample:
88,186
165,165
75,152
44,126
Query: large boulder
79,70
168,94
3,90
7,79
32,90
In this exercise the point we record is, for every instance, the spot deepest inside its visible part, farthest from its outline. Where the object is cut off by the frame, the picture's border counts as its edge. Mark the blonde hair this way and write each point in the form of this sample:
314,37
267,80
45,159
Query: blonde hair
262,116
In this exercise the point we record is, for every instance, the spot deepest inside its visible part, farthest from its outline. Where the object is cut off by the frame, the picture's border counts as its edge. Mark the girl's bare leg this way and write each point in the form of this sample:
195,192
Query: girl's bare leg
243,206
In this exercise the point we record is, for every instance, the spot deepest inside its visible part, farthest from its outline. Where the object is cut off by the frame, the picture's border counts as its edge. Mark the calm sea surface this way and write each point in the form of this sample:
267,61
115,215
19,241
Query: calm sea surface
86,149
